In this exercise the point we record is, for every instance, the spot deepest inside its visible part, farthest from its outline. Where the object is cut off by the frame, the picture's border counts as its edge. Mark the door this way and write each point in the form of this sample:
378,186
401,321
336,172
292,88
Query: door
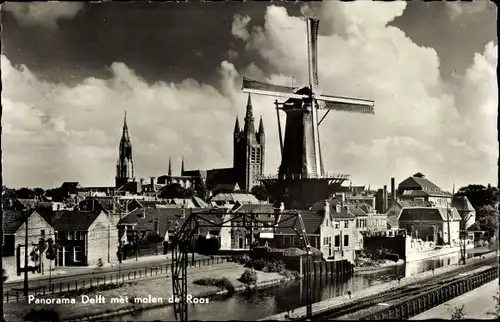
241,243
60,256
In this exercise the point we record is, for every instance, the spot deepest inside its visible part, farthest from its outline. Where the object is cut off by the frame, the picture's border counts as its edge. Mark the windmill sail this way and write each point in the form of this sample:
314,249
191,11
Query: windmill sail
257,87
313,25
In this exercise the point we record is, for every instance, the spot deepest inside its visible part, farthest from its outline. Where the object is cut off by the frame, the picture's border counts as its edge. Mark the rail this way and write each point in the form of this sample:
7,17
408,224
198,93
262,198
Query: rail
92,283
423,302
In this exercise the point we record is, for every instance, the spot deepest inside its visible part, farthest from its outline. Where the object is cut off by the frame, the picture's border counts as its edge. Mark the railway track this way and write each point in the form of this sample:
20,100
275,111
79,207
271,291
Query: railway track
408,291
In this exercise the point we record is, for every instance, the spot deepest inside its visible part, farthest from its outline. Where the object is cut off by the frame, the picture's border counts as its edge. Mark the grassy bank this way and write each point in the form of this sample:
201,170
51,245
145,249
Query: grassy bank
156,288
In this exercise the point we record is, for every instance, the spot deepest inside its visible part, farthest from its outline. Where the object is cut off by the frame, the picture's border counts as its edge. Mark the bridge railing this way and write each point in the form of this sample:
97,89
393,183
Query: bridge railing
429,300
93,283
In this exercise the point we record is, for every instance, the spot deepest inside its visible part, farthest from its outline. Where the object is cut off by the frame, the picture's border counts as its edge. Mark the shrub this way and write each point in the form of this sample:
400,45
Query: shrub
248,277
240,259
222,283
35,315
266,265
290,274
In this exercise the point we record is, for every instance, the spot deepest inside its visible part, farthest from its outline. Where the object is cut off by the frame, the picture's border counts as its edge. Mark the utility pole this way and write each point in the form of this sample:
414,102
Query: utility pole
26,252
1,259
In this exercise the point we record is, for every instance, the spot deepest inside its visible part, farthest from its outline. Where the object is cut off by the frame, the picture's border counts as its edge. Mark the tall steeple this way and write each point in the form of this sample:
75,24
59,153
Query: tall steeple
182,166
249,120
261,127
125,164
237,129
169,166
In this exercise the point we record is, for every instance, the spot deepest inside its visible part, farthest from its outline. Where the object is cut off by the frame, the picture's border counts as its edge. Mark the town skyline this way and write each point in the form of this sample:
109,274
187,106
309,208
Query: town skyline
63,111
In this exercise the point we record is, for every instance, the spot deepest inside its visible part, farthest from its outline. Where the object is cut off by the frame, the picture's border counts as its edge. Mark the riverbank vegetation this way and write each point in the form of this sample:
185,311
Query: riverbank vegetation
376,258
223,283
266,265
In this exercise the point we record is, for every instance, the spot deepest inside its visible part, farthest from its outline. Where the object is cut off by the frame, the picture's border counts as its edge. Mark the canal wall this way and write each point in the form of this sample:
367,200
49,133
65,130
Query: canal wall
332,303
298,263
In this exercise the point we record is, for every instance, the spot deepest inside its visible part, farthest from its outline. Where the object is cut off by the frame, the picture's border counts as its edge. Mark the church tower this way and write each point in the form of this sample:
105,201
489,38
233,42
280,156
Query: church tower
125,165
249,149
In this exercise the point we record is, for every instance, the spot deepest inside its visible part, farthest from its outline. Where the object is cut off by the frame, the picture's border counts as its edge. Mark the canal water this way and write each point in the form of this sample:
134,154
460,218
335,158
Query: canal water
258,304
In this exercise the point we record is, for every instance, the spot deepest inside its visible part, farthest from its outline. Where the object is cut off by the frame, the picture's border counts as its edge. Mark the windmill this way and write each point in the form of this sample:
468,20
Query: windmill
301,160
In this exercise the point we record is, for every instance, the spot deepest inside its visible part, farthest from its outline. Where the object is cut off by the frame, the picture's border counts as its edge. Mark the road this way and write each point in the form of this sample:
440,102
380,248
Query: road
97,275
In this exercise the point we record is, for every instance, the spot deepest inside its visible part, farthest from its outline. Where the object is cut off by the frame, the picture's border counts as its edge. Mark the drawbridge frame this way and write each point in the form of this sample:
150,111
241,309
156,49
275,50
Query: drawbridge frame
185,235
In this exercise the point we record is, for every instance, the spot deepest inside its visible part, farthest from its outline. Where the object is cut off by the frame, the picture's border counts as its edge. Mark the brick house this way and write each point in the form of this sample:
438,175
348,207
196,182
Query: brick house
83,237
419,188
14,235
239,229
429,223
330,226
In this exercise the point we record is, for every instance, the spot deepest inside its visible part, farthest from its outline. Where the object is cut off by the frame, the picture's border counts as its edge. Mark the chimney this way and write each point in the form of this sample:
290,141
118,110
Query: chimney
338,208
379,201
393,191
152,181
142,181
384,208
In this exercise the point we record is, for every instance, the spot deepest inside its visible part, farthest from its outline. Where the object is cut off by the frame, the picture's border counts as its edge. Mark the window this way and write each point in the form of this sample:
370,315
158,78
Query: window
337,240
346,240
56,236
327,223
330,240
77,254
156,226
253,155
42,233
337,224
71,235
346,224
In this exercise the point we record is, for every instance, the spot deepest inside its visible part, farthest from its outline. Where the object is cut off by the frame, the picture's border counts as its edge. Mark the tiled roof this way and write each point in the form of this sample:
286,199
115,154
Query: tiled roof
220,176
425,193
13,219
428,213
418,180
236,197
392,221
71,186
255,208
70,220
199,202
312,221
167,218
462,203
207,219
414,203
333,203
365,207
356,211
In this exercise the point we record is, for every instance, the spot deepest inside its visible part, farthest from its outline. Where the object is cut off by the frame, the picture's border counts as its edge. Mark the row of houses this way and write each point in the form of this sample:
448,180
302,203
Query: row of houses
335,226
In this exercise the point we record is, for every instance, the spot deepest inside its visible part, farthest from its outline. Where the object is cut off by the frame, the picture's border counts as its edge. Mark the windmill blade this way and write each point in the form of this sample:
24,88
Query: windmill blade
312,33
261,88
346,104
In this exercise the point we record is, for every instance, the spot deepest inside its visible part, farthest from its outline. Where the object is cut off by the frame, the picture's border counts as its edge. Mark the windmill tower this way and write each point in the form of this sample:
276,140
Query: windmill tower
301,179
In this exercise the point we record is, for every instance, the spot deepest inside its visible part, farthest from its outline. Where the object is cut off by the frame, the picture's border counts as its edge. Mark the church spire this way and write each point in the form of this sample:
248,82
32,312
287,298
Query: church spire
261,126
249,125
169,166
125,127
125,165
182,166
237,129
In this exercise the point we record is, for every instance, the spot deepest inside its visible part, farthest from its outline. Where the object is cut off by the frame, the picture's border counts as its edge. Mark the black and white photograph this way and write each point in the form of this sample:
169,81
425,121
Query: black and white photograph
249,160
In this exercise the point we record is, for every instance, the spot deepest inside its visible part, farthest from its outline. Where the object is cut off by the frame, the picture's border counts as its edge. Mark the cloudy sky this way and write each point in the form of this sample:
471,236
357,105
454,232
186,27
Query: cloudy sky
70,70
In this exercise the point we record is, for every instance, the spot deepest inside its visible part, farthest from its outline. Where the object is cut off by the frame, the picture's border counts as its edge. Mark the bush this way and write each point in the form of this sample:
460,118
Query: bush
42,315
266,265
248,277
240,259
95,288
222,283
290,274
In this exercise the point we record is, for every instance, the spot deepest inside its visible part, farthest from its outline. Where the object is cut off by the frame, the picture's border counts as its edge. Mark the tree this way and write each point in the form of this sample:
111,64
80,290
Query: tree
173,190
39,192
41,247
25,193
261,193
50,254
479,195
487,217
56,194
201,191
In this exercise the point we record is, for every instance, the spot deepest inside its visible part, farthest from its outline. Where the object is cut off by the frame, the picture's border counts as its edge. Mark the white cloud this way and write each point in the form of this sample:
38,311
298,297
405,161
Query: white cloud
44,14
54,133
239,26
458,8
417,114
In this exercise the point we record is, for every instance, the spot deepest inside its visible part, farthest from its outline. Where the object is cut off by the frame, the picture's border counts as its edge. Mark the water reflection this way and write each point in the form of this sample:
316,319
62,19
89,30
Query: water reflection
254,305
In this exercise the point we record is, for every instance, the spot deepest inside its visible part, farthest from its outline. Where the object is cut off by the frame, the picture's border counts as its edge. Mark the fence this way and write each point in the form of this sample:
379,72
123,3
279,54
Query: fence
424,302
124,276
